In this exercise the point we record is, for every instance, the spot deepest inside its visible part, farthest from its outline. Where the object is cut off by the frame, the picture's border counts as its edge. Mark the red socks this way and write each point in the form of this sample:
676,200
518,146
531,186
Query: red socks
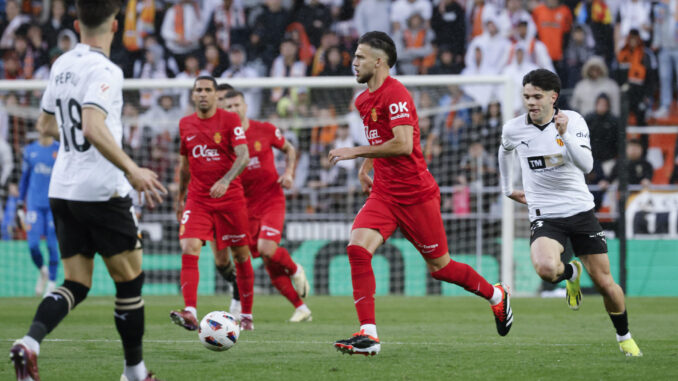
283,259
281,280
244,276
364,285
464,275
190,276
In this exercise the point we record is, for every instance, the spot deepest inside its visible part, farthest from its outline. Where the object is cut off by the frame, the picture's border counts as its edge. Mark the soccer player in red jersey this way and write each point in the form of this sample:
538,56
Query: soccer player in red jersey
403,194
266,204
213,153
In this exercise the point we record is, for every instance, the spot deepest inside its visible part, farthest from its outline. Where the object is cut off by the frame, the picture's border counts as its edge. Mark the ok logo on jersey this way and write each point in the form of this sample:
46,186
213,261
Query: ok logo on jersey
395,108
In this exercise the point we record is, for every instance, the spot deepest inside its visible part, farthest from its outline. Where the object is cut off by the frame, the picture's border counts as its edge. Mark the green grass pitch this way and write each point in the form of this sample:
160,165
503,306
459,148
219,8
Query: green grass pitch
423,338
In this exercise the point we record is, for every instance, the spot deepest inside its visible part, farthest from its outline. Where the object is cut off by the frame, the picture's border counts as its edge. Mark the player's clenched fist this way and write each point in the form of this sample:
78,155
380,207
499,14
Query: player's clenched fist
219,188
338,154
561,122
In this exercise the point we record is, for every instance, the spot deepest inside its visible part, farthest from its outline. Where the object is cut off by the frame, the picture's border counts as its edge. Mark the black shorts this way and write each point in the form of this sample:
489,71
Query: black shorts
89,227
583,230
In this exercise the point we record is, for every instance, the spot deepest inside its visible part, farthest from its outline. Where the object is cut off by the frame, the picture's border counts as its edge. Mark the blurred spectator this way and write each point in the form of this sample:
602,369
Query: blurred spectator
512,16
139,23
58,20
336,64
229,25
665,39
595,81
449,24
414,45
215,63
287,64
162,118
481,93
535,50
478,161
553,22
11,67
240,69
578,51
494,48
268,30
329,39
153,65
448,62
401,10
25,55
66,40
598,16
296,32
43,71
182,29
632,14
477,14
315,17
348,169
640,171
133,133
364,19
603,132
517,69
636,69
11,22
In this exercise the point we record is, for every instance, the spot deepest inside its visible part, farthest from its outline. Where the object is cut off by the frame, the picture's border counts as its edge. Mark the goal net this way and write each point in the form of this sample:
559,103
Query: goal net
460,120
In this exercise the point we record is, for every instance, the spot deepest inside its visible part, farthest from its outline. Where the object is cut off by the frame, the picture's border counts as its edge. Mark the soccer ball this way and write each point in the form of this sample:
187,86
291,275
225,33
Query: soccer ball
218,331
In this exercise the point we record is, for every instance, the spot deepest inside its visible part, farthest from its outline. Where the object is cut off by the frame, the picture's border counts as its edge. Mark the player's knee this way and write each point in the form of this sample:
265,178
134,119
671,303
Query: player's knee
73,292
546,271
34,246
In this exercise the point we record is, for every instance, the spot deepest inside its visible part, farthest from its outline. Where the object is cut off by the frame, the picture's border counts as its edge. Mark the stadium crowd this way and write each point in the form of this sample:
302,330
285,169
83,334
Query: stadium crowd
599,48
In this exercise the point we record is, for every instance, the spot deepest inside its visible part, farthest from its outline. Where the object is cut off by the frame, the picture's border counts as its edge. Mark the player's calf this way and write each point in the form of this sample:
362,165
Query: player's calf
55,306
129,321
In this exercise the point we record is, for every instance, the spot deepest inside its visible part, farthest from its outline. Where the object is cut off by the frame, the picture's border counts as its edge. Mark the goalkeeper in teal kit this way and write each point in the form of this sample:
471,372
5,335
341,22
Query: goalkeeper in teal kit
37,165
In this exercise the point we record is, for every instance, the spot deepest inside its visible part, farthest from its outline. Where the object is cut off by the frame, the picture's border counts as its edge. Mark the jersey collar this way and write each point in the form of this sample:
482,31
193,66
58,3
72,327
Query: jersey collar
542,126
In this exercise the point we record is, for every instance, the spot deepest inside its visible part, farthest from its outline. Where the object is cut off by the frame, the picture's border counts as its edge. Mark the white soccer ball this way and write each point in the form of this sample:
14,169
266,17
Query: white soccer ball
218,331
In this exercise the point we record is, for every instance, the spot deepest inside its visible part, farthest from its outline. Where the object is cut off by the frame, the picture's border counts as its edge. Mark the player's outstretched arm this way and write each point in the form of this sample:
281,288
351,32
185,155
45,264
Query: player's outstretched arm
287,178
506,175
242,158
143,180
184,178
47,125
400,145
364,175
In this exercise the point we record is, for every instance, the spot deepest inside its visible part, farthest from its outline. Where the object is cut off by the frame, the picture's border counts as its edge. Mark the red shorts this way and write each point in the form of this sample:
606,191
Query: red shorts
421,224
268,226
228,225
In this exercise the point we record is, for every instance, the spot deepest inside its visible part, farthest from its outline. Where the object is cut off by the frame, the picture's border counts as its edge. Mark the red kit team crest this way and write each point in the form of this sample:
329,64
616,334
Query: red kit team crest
374,114
217,137
257,146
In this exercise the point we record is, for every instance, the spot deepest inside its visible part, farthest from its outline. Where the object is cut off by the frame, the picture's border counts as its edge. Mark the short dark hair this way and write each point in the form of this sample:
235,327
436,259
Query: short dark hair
381,41
234,93
92,13
224,87
543,79
206,78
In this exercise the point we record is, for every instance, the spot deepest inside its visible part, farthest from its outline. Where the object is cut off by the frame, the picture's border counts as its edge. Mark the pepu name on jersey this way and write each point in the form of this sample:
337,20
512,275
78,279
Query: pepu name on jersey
65,78
545,163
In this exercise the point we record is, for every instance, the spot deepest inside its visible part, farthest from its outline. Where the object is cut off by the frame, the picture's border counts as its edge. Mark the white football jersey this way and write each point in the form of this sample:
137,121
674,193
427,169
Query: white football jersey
84,77
554,187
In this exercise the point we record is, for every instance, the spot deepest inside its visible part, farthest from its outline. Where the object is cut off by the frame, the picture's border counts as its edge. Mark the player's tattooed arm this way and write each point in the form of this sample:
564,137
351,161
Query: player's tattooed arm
184,178
47,125
400,145
242,158
287,178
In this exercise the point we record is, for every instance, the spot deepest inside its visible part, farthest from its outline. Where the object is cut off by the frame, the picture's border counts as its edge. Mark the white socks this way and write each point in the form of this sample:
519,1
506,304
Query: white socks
625,337
496,297
32,344
369,329
136,372
303,307
575,272
192,310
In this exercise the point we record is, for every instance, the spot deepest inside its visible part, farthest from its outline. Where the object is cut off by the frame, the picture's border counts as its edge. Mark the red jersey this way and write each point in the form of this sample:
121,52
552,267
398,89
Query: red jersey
260,178
397,179
210,147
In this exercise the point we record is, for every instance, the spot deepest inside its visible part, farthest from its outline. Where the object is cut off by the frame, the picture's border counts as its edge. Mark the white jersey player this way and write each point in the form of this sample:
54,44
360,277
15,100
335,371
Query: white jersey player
89,192
554,152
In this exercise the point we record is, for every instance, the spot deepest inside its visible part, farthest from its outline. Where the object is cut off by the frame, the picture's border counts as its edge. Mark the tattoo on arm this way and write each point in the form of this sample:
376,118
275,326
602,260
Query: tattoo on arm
240,163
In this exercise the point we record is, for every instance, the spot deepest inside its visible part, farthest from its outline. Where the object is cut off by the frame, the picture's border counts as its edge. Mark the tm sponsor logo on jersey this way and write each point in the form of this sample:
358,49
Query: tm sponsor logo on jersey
546,162
201,150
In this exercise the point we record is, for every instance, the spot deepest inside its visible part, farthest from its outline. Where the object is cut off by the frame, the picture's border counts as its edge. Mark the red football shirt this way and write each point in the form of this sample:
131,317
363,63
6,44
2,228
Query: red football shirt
209,144
260,178
399,179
